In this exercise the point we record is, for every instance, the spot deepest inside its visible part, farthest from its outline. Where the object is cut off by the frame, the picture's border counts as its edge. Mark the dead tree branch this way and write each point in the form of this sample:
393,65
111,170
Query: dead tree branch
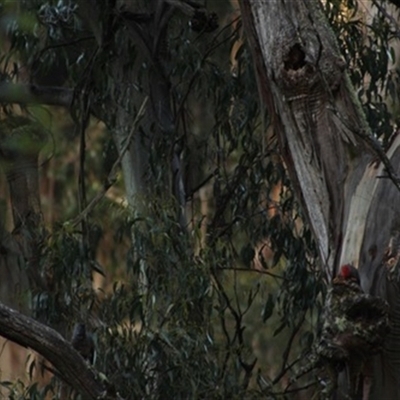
70,366
28,94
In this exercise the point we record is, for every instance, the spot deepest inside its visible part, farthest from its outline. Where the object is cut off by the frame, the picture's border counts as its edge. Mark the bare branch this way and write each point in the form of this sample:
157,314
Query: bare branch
50,344
28,94
186,7
112,176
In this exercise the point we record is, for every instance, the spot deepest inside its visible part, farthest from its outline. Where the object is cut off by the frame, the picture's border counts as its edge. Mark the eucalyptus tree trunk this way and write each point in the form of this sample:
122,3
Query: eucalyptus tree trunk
140,72
333,162
149,152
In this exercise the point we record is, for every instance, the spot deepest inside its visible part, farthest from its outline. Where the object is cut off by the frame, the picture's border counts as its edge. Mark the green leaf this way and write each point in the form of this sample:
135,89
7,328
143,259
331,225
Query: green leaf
268,308
247,254
279,329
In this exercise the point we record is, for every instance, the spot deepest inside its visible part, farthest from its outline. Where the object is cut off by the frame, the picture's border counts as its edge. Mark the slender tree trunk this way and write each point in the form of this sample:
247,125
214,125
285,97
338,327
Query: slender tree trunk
152,167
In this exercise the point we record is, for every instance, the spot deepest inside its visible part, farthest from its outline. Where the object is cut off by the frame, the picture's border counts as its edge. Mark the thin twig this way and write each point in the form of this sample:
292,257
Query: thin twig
257,271
286,353
238,334
375,147
111,178
200,185
295,390
392,20
198,70
64,44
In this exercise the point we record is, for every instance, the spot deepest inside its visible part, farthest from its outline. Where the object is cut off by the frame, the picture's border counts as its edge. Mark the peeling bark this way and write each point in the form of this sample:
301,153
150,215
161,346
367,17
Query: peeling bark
313,112
20,144
322,133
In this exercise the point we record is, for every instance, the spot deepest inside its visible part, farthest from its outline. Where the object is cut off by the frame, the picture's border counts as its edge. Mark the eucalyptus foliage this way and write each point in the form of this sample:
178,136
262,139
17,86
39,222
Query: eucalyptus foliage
216,316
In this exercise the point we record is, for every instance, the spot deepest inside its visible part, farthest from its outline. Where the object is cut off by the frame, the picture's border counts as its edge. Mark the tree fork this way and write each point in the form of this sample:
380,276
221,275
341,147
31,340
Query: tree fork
317,117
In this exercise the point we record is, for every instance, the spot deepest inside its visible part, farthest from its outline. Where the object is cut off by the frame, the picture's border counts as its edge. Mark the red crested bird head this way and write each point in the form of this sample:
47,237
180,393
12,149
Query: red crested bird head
349,273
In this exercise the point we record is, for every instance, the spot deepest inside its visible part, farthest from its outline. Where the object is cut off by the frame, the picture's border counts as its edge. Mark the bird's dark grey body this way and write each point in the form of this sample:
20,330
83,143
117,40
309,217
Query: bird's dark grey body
82,341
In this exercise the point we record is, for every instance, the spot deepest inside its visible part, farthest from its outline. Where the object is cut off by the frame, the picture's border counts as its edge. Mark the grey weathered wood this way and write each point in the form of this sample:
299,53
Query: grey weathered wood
314,112
322,133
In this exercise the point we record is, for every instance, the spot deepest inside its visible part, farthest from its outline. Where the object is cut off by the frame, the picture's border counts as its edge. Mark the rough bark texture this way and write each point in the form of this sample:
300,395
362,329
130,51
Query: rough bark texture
65,359
313,110
322,135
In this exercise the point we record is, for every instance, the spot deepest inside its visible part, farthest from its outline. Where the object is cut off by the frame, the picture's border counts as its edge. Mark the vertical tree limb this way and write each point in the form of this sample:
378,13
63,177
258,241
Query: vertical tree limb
346,194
